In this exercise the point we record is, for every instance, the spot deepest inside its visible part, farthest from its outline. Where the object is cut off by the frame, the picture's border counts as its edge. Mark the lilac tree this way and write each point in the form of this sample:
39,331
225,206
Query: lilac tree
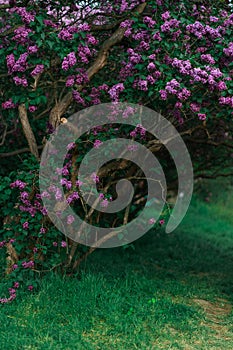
59,57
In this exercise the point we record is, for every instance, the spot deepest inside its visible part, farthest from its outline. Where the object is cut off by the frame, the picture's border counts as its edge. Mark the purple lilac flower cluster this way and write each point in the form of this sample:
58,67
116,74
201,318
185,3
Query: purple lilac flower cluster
149,21
127,70
8,104
72,197
21,81
26,16
115,91
97,143
78,98
229,50
226,101
37,70
157,36
134,57
141,84
12,292
69,61
128,5
104,201
207,75
18,184
66,183
126,24
77,79
173,87
17,66
28,265
138,131
208,58
195,107
169,25
95,96
32,108
27,205
66,34
84,53
95,178
21,35
200,30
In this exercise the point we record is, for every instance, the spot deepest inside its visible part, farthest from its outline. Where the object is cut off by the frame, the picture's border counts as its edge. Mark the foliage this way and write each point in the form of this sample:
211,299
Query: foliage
57,58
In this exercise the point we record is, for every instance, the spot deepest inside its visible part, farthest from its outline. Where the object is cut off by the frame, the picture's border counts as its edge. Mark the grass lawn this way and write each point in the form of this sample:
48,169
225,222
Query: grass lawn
172,292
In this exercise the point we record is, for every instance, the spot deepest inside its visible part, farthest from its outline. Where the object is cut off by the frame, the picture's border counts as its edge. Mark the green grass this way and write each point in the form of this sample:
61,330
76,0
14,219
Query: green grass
171,292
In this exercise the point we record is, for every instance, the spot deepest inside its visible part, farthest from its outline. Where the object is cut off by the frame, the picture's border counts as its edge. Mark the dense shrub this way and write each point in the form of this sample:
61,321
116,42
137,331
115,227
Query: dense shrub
58,57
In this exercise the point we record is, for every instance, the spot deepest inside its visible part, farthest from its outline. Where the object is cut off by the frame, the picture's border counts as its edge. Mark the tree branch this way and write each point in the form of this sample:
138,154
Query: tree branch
206,176
18,151
28,131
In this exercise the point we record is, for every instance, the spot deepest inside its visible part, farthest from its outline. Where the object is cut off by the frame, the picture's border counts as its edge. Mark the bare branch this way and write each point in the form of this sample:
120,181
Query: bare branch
4,134
18,151
28,131
206,176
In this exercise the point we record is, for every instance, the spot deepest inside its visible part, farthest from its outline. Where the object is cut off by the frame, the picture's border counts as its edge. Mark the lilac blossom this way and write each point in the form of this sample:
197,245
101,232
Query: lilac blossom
168,25
95,178
72,197
18,183
195,107
208,58
221,86
69,61
70,219
229,50
149,21
202,116
163,94
65,35
165,15
8,104
20,81
26,225
70,146
152,221
115,91
26,16
151,67
104,203
97,143
37,70
28,265
32,109
157,36
42,230
32,49
70,81
132,148
21,35
77,97
143,85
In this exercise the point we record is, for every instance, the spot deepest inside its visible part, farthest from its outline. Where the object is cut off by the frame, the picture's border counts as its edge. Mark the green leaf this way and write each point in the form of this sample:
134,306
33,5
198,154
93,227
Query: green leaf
50,44
40,19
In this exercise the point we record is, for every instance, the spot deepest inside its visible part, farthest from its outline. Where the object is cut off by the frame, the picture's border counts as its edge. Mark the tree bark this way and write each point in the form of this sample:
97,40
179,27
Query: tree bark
28,131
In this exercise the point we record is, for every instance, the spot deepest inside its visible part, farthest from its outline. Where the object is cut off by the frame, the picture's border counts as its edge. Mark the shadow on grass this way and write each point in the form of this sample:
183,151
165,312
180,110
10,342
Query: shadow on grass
199,251
132,299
